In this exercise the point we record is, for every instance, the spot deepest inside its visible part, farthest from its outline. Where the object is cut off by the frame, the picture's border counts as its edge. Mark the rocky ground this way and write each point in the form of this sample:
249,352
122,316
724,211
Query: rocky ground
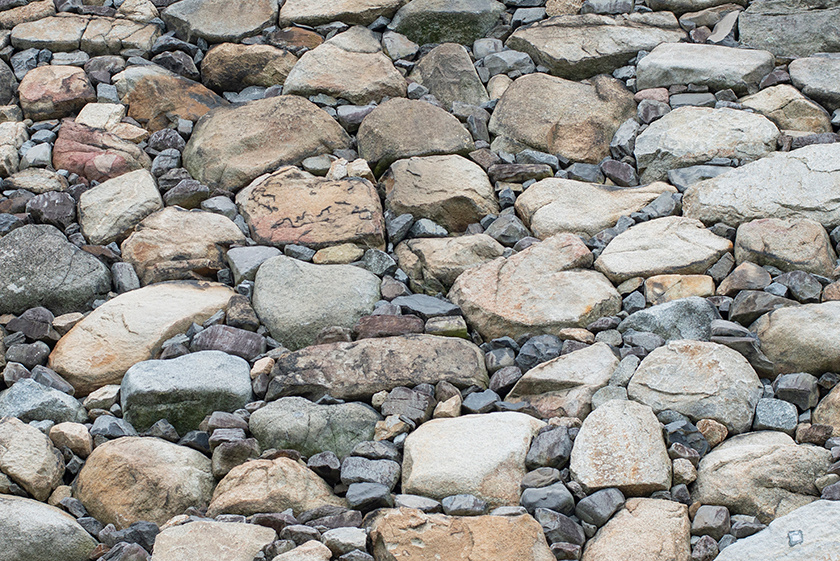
418,280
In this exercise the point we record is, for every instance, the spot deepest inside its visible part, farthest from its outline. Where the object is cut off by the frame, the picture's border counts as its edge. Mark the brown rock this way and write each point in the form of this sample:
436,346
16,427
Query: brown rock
714,432
294,38
75,436
32,11
53,92
664,288
95,154
746,276
205,539
831,292
28,458
828,410
387,326
358,12
449,74
790,245
231,67
562,7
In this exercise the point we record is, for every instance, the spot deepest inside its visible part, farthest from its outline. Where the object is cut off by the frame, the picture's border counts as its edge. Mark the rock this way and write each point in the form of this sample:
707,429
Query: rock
184,390
175,244
31,531
449,75
244,262
701,381
565,385
28,458
230,66
131,328
74,436
297,423
442,21
695,135
93,35
763,474
29,400
354,12
451,190
670,245
775,414
218,21
578,128
271,486
789,244
828,410
296,300
598,508
687,318
215,540
402,128
558,205
714,66
360,369
95,154
577,47
231,146
620,445
796,339
535,291
37,180
107,484
53,92
644,530
291,206
13,136
789,109
769,24
813,77
116,206
746,276
666,288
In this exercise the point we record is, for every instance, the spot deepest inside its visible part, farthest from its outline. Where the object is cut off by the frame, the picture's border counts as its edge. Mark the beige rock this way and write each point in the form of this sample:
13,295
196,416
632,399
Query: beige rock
498,85
448,72
271,486
562,7
130,328
448,409
53,92
101,115
75,436
746,276
713,431
315,12
313,550
206,539
12,137
218,21
341,169
33,11
29,459
828,410
799,339
230,66
37,180
664,288
140,11
60,33
342,254
105,36
789,109
789,244
113,208
684,472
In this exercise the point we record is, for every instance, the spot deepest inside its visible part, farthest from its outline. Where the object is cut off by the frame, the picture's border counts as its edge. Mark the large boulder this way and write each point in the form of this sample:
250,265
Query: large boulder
360,369
448,73
539,290
793,244
482,455
208,539
29,400
571,119
217,21
316,12
230,66
53,92
789,109
124,480
62,33
814,76
442,21
231,146
799,339
95,154
790,29
296,300
28,457
33,531
94,35
131,328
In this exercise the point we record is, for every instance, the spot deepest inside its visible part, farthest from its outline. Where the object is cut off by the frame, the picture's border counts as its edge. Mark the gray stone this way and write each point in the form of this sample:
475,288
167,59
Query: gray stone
218,21
773,25
441,21
463,505
815,77
426,306
363,470
598,508
551,448
711,521
450,76
554,497
111,427
368,496
30,401
775,414
32,531
245,261
686,318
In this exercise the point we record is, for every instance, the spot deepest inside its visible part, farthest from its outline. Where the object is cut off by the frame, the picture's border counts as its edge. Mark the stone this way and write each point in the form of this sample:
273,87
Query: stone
107,487
620,445
131,328
449,75
695,135
314,212
354,12
217,21
828,410
74,436
536,291
271,486
789,109
357,370
37,181
231,146
95,154
775,414
579,128
441,21
670,245
177,244
244,262
296,300
555,497
813,77
116,206
231,66
795,338
29,459
38,267
101,115
598,507
53,92
451,190
788,244
29,400
31,530
746,276
13,136
559,205
209,539
666,288
761,18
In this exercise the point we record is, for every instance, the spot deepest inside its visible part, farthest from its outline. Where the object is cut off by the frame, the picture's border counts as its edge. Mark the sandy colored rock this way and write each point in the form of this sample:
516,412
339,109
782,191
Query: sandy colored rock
53,92
33,531
562,7
448,72
33,11
95,154
218,21
664,288
789,244
63,32
74,436
105,36
101,115
12,137
231,66
315,12
206,539
828,410
789,109
29,459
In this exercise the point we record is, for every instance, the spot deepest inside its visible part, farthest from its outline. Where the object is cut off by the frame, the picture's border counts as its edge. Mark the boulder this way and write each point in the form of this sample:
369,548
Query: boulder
814,76
93,35
444,21
131,328
95,154
12,137
686,318
798,339
62,33
780,27
207,539
354,12
28,458
104,36
448,73
124,480
32,531
481,455
828,410
570,119
789,109
217,21
683,6
231,66
793,244
29,400
53,92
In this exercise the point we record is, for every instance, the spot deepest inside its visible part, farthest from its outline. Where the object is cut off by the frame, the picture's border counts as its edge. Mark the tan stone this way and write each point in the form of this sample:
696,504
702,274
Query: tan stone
63,32
789,244
831,292
801,338
316,12
713,431
231,67
828,410
341,169
37,180
101,115
32,11
206,539
53,92
12,137
114,35
562,7
140,11
342,254
789,109
746,276
74,436
29,459
448,72
664,288
313,550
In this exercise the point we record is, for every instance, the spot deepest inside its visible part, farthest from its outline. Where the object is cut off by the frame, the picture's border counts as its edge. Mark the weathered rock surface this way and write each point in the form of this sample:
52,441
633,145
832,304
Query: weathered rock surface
794,30
230,66
686,318
218,21
113,208
450,76
31,531
53,92
790,245
814,77
28,458
95,154
29,400
789,109
828,411
212,540
796,339
358,12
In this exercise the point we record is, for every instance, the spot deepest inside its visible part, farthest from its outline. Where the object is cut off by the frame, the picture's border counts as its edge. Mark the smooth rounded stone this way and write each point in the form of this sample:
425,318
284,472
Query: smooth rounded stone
620,445
271,486
95,154
644,530
701,381
557,205
481,455
694,135
670,245
107,484
184,390
415,535
218,21
206,539
775,414
565,385
231,66
746,276
771,25
451,190
296,300
666,288
765,474
554,497
448,73
789,109
538,291
114,207
443,21
813,76
798,339
131,328
29,400
244,262
354,12
402,128
299,424
178,244
33,531
714,66
796,184
38,267
598,507
561,117
29,458
789,244
53,92
577,47
231,146
828,410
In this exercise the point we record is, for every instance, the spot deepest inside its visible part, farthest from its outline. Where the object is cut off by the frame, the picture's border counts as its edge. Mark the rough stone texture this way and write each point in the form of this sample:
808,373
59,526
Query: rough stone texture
28,458
32,531
12,137
561,117
70,32
53,92
687,318
789,109
218,21
814,77
794,244
538,290
205,539
132,478
315,12
442,21
131,328
666,288
116,206
448,72
683,6
230,66
482,455
828,410
29,400
95,154
790,29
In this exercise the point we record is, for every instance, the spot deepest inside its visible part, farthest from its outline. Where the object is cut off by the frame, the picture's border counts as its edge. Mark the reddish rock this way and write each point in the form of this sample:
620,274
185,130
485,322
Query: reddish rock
95,154
387,326
53,92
